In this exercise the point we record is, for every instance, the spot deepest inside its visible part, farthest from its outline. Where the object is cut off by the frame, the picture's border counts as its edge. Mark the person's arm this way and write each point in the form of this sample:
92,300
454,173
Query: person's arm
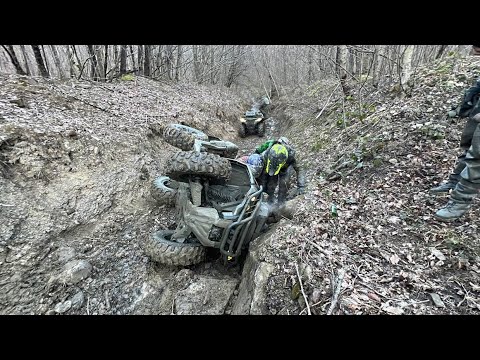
463,109
474,90
467,102
301,181
264,146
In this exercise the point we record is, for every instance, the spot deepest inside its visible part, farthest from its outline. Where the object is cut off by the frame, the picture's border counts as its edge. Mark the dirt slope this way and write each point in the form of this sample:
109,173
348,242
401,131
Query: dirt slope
77,160
367,212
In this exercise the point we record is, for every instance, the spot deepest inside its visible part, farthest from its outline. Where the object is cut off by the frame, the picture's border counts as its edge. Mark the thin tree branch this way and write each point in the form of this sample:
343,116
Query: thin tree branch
303,292
338,286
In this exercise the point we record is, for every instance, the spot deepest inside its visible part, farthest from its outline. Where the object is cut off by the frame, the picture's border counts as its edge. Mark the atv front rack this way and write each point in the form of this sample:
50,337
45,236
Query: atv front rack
232,247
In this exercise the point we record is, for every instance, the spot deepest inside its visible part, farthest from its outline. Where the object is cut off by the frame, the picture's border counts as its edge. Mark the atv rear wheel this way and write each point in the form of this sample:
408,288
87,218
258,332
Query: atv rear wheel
161,249
242,131
164,190
182,165
182,137
261,129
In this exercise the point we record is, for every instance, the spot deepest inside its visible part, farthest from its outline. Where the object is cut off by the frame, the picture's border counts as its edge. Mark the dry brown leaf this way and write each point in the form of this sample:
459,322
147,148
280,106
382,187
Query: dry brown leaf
374,297
392,310
394,259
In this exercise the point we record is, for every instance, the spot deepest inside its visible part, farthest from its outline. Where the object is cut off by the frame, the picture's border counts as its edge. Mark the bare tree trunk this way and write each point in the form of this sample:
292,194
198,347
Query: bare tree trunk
146,60
168,61
72,62
310,66
93,64
39,60
123,59
352,64
158,62
46,60
407,69
196,65
140,58
105,63
116,59
14,59
341,63
25,59
377,64
212,64
132,54
179,62
440,51
56,59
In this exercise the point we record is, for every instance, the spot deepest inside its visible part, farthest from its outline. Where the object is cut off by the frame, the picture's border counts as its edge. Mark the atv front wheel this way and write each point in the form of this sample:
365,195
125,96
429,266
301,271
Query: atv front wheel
164,190
161,249
183,164
182,137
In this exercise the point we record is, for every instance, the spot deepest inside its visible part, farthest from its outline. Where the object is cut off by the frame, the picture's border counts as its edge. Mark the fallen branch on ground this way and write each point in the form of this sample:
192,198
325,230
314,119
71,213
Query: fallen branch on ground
338,286
303,293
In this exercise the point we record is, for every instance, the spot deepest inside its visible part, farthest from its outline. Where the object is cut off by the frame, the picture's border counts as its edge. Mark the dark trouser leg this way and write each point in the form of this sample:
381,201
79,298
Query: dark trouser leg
465,143
271,185
469,184
282,187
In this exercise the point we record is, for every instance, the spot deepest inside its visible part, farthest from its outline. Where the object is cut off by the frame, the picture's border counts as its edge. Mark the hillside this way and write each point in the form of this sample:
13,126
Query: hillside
77,163
368,210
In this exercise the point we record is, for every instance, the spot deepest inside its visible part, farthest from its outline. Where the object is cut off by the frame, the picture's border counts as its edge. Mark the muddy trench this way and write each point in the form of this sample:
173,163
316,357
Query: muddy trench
71,229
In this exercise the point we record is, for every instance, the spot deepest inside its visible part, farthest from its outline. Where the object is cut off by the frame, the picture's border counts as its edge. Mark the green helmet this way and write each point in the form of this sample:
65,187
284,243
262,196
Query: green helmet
276,158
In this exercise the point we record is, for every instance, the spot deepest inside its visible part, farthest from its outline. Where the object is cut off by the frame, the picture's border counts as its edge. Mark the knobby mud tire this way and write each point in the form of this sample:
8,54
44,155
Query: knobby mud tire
231,154
242,131
161,249
184,164
181,136
164,190
261,129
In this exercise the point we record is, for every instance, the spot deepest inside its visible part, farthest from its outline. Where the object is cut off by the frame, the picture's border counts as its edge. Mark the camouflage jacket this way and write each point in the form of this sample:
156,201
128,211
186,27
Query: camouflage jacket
292,161
471,97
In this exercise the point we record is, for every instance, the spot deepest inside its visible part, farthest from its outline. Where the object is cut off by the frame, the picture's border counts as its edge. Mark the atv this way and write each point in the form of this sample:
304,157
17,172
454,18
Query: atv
253,122
187,138
218,201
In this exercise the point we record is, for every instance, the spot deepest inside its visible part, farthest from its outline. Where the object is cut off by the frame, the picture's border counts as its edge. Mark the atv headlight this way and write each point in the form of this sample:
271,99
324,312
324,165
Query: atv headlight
243,120
258,120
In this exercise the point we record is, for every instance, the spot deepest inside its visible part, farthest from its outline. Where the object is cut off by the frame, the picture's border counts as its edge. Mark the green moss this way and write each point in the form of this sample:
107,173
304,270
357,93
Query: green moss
319,144
433,131
377,162
127,77
444,68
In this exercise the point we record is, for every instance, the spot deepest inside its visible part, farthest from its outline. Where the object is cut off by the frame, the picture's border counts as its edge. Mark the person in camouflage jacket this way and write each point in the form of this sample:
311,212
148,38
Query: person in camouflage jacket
465,178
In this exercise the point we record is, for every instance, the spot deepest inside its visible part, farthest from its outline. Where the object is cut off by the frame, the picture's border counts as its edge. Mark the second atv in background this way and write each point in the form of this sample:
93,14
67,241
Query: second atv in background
253,122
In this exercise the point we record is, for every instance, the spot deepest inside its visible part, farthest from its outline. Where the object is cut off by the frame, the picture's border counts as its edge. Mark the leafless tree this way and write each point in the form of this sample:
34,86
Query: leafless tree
39,60
56,59
14,59
146,60
123,59
25,59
